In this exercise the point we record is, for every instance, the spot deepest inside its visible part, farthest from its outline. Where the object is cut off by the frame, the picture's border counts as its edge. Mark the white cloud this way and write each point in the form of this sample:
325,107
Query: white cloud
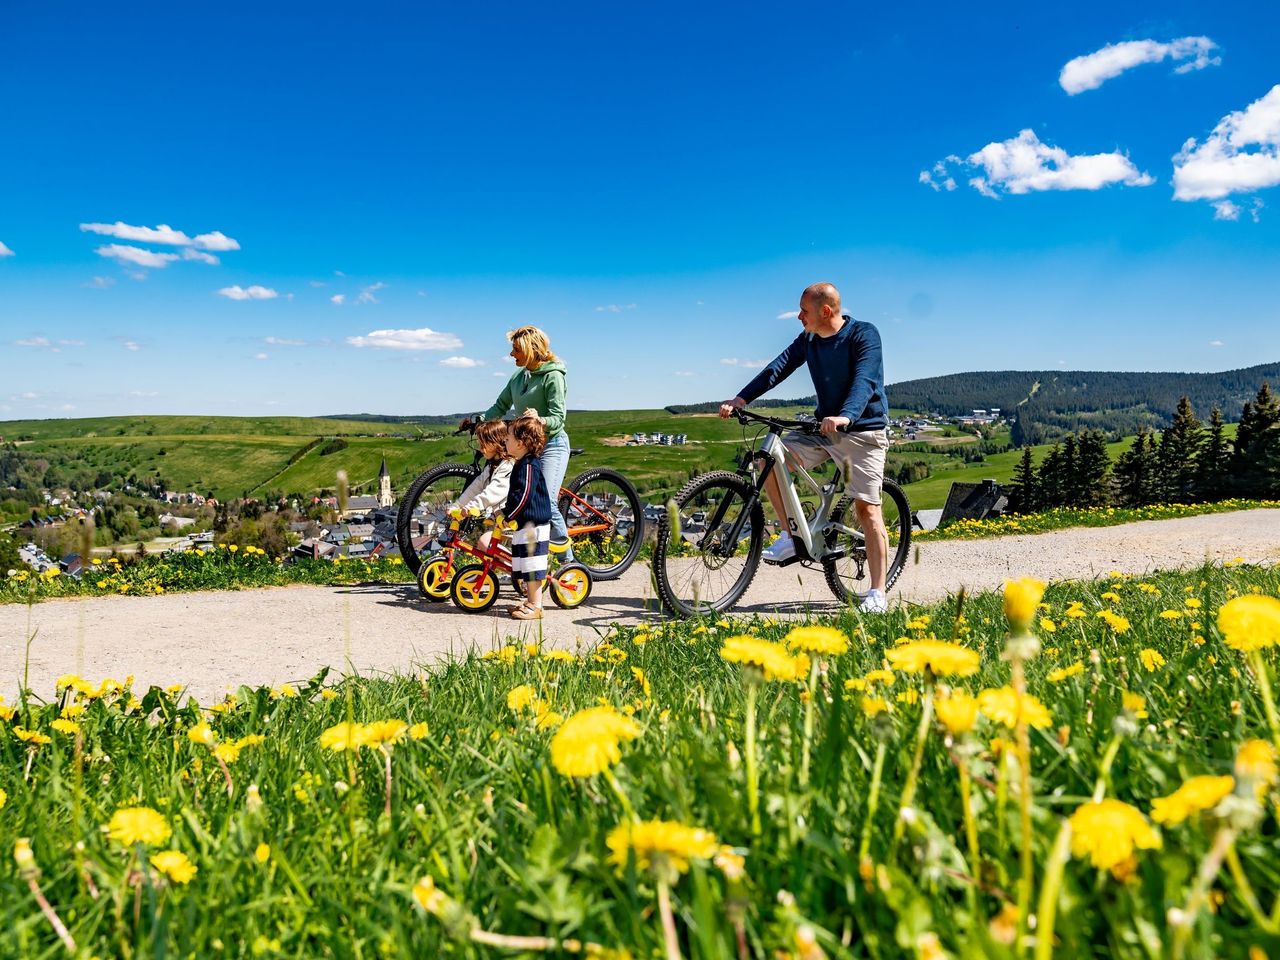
44,343
1215,343
317,283
938,178
217,240
71,343
367,293
1023,164
5,251
260,356
789,315
461,363
189,254
254,292
131,346
144,393
1225,210
100,283
137,256
1092,70
615,308
284,342
1241,155
424,338
67,407
162,234
749,364
684,373
33,342
28,395
338,298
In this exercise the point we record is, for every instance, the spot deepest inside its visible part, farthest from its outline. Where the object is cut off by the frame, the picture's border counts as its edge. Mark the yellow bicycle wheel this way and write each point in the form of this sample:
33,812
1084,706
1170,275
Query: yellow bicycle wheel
474,589
570,585
433,579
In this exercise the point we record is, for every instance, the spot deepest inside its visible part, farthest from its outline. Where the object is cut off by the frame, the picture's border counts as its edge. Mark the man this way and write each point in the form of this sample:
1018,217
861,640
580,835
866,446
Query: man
845,362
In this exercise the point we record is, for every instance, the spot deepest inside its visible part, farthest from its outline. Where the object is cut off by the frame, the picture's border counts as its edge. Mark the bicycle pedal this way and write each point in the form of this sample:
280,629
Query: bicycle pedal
794,558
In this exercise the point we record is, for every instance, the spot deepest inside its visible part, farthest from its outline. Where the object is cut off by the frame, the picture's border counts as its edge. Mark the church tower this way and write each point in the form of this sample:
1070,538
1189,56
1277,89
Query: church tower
385,499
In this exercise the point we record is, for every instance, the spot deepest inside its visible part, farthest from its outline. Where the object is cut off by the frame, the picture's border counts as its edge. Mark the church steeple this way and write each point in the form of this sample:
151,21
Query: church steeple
385,499
383,472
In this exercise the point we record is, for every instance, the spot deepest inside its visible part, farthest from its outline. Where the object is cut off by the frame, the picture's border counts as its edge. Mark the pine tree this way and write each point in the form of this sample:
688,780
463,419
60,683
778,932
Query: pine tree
1069,495
1134,471
1023,490
1255,465
1049,480
1214,462
1092,467
1179,450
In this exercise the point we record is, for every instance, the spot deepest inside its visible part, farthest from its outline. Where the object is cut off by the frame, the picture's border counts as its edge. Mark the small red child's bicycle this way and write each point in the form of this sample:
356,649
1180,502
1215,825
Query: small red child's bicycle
473,584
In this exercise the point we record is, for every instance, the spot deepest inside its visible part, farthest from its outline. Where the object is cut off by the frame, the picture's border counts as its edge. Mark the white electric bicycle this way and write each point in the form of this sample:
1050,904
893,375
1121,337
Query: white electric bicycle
706,562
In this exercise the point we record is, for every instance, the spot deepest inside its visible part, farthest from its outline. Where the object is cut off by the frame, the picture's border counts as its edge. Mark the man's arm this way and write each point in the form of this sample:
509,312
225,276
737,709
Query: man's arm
868,361
784,364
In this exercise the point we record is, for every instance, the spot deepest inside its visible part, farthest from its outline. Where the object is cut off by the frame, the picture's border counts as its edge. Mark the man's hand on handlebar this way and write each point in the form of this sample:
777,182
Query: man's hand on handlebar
832,425
730,407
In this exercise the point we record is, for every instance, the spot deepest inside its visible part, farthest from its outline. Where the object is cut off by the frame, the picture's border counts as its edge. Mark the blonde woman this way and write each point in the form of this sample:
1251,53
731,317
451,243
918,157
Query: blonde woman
539,384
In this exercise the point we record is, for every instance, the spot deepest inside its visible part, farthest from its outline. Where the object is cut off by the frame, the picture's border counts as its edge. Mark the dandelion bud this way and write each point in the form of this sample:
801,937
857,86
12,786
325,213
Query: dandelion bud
252,799
1021,599
1176,917
22,855
673,521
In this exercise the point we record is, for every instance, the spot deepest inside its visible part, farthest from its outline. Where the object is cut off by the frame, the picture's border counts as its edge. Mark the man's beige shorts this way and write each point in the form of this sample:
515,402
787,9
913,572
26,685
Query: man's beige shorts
860,457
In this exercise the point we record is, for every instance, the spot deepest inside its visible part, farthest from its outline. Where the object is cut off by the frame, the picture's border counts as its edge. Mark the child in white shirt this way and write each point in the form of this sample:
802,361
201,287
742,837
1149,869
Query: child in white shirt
488,491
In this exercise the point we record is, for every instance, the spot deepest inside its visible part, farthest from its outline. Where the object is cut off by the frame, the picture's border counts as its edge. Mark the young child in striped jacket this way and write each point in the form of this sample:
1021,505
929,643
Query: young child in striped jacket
529,506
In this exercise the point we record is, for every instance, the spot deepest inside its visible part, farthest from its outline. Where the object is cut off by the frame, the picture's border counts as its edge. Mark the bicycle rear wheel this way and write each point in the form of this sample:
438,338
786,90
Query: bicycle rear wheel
848,576
697,569
421,523
605,518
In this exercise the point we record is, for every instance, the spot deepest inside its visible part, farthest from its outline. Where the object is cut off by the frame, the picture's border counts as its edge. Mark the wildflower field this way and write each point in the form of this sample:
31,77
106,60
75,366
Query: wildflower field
1091,773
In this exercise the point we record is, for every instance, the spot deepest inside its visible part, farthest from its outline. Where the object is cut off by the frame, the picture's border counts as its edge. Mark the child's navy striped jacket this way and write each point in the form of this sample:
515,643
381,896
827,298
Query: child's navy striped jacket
527,500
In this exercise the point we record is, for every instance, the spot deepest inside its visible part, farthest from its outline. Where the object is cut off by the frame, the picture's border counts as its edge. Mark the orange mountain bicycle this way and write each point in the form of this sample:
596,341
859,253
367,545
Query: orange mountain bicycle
601,509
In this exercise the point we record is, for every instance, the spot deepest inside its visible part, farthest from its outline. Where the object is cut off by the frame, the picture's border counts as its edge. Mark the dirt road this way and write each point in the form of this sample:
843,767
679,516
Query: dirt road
213,641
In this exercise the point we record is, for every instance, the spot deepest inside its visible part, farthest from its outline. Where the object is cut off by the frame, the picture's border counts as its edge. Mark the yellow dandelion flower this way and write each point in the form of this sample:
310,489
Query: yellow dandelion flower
768,658
1151,659
327,694
343,736
384,731
418,731
263,853
520,697
660,845
1197,794
1170,614
562,656
202,734
1062,673
588,742
1109,831
1048,626
938,657
1005,706
62,725
33,737
1111,596
22,854
958,712
1134,703
822,640
131,825
73,711
1250,622
1021,601
1256,760
174,865
1191,603
873,706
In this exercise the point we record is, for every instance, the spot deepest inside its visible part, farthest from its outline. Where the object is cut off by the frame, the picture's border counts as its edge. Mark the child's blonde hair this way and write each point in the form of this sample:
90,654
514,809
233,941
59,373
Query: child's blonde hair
492,433
529,431
533,343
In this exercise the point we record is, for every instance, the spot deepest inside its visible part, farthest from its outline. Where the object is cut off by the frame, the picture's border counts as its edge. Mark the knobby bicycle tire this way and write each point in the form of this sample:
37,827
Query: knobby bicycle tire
898,559
666,562
404,516
602,571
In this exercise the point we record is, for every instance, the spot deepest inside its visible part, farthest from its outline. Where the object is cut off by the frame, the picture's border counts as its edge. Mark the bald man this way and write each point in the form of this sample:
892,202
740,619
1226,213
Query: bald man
845,362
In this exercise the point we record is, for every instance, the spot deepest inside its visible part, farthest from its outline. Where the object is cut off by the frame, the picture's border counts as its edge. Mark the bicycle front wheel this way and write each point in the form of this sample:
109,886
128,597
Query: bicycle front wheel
421,521
605,518
703,565
848,576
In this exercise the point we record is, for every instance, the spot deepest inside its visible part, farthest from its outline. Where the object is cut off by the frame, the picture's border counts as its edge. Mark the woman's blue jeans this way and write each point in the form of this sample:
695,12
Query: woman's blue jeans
555,461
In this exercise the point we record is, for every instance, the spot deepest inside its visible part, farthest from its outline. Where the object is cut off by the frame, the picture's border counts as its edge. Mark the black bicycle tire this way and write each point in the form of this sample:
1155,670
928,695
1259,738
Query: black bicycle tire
895,492
666,594
632,496
488,575
409,503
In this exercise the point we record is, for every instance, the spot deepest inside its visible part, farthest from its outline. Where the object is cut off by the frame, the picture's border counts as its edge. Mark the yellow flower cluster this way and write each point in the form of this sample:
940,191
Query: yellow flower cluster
940,658
1197,794
660,845
768,658
1108,831
133,825
589,742
1007,707
378,734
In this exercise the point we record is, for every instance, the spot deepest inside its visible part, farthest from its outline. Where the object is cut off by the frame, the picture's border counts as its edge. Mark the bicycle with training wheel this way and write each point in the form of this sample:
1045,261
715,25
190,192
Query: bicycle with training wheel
473,583
601,509
706,562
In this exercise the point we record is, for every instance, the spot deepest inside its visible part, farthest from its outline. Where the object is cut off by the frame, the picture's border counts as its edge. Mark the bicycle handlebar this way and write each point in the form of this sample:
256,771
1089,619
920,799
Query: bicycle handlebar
810,425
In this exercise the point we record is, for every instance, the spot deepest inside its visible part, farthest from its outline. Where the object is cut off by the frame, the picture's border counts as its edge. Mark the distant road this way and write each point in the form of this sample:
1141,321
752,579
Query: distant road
218,640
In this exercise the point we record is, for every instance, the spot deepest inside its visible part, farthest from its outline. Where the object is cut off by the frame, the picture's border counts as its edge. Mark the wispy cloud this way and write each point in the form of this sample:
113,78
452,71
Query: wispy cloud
615,307
748,364
137,256
209,258
338,299
461,363
1241,155
254,292
44,343
131,345
1023,164
162,234
260,356
5,251
789,315
938,178
284,342
367,293
1215,343
1094,69
100,283
423,338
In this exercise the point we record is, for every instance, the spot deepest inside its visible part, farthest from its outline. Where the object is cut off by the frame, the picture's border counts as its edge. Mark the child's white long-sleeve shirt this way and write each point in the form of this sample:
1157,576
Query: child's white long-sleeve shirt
488,490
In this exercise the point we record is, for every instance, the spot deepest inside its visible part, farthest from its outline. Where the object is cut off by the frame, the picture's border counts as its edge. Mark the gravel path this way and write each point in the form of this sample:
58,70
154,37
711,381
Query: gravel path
216,641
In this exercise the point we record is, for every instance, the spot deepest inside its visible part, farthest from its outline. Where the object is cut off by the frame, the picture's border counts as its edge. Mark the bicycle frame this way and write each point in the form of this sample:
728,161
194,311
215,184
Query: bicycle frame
606,522
497,557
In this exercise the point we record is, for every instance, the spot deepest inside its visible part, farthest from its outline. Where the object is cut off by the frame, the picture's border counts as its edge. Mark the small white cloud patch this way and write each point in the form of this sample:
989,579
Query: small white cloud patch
424,338
254,292
5,251
748,364
126,255
461,363
1241,155
1094,69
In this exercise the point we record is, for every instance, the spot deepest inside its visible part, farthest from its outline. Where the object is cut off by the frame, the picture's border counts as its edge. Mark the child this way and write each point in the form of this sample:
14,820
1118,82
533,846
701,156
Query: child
528,506
488,490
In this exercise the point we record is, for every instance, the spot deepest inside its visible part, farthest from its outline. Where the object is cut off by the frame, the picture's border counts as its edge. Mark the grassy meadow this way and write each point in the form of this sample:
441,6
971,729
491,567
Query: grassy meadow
675,792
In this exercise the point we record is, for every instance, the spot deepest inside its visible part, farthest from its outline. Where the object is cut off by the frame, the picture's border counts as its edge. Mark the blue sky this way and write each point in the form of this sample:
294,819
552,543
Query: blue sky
653,185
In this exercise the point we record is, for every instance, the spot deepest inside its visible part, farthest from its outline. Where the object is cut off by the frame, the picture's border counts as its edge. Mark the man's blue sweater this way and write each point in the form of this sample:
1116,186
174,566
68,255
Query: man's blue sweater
848,374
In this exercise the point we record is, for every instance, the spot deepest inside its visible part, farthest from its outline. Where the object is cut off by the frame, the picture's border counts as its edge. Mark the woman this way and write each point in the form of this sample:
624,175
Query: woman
539,382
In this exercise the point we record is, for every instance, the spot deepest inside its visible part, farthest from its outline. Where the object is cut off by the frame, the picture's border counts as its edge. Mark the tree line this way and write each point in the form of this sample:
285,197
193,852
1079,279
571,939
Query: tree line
1188,462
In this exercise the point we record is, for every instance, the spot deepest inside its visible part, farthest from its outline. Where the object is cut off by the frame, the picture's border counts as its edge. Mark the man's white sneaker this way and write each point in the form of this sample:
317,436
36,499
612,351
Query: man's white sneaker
784,548
874,602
